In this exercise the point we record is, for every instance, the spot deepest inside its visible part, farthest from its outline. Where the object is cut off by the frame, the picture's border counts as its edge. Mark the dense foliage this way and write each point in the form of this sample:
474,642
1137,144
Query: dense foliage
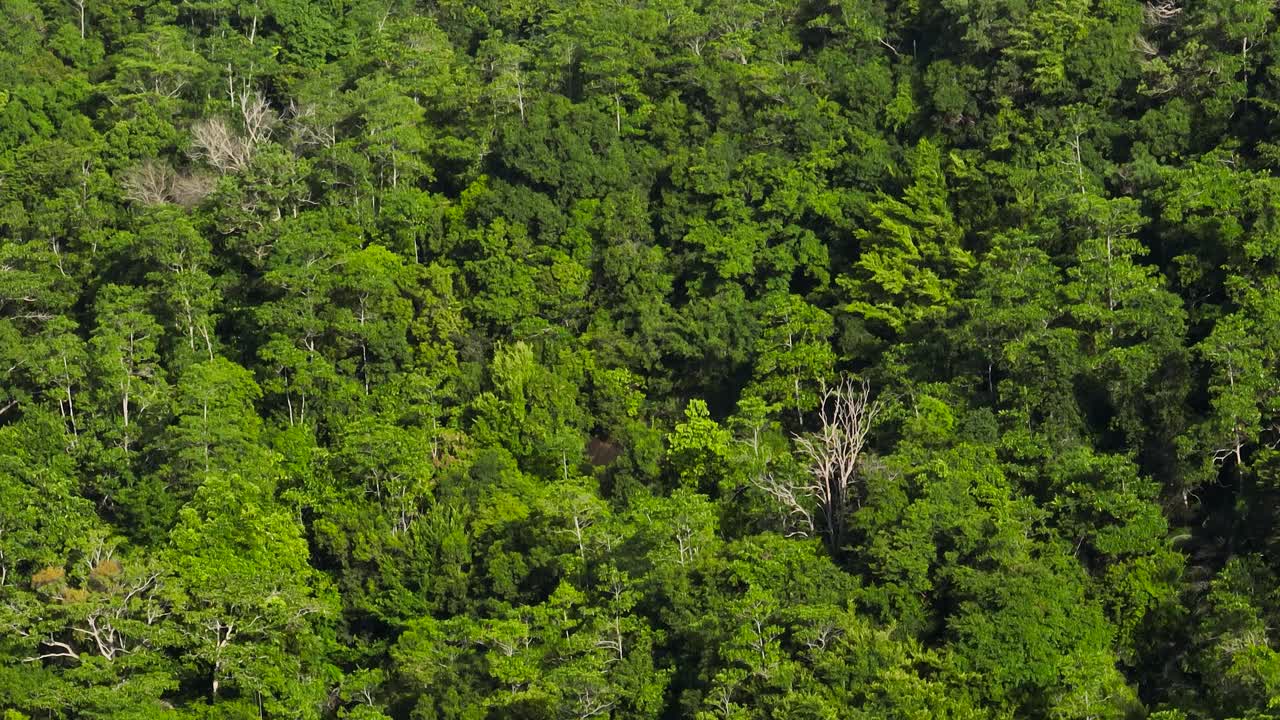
639,359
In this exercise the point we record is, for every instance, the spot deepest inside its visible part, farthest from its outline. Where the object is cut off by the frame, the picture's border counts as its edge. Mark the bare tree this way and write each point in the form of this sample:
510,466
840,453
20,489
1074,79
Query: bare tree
155,182
256,115
781,488
190,188
1159,13
835,452
1145,46
148,183
507,83
215,142
79,5
791,500
307,129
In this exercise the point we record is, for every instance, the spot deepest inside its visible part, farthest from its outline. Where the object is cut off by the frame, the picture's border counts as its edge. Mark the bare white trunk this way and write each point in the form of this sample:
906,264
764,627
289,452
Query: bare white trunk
847,415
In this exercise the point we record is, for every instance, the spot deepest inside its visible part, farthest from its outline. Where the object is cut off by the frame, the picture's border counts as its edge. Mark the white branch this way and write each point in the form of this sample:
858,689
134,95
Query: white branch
847,415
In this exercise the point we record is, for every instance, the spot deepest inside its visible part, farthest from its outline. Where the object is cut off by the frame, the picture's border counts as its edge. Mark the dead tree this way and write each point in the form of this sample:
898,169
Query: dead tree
1159,13
786,494
191,188
307,128
835,451
148,183
215,142
226,149
256,115
80,8
790,499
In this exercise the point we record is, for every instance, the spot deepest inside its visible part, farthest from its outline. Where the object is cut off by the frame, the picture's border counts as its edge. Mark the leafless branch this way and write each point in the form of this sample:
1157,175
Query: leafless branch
790,500
63,650
258,117
148,183
1159,13
190,188
847,415
216,143
307,129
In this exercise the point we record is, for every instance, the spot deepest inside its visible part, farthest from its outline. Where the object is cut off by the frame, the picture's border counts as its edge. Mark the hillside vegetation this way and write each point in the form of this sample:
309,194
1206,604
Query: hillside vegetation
707,359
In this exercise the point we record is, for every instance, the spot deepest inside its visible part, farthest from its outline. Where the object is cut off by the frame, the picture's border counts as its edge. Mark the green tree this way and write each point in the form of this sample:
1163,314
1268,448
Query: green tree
217,428
132,390
251,617
912,258
794,353
534,411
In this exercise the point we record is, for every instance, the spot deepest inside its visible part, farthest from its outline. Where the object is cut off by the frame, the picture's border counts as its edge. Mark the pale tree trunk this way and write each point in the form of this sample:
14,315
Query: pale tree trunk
847,414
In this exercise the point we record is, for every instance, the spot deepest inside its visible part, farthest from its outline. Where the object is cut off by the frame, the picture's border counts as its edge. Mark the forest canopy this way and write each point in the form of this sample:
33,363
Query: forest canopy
640,359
